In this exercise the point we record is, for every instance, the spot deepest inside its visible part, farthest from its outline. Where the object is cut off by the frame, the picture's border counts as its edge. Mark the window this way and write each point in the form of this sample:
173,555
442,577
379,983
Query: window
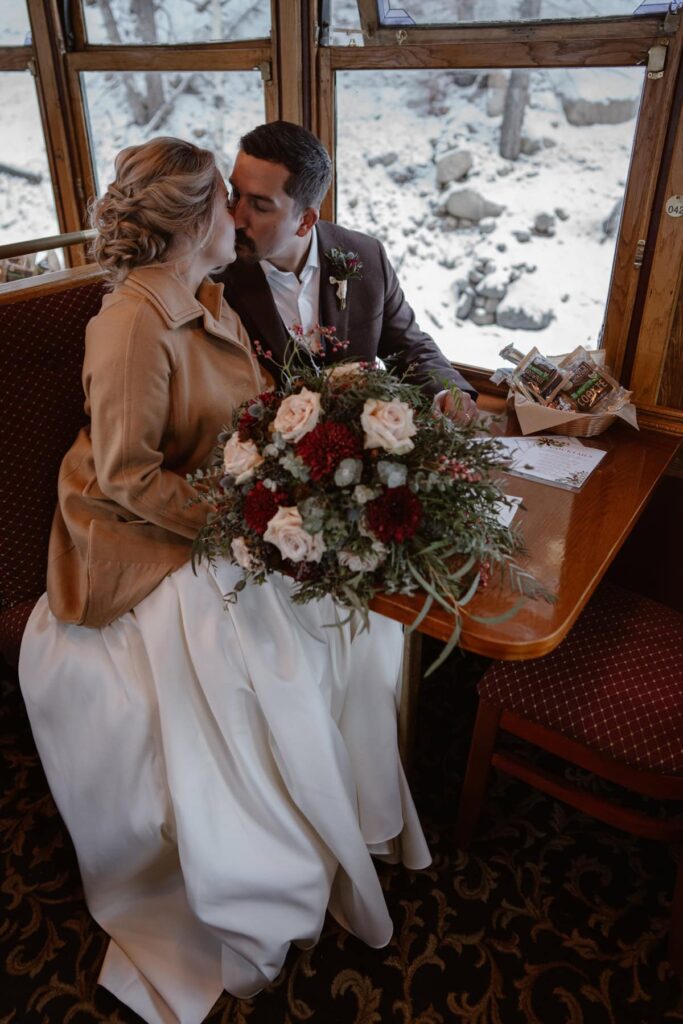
510,172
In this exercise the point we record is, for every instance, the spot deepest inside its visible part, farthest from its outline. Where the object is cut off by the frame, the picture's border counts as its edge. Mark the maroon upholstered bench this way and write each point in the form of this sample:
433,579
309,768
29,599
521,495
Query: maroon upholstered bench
42,334
609,699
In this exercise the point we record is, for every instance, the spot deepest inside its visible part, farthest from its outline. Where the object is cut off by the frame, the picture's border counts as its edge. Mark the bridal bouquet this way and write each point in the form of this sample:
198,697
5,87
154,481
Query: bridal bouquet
348,481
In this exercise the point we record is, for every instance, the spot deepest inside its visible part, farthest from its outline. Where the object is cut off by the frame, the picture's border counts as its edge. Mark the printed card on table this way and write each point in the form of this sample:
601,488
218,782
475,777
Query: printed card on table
549,459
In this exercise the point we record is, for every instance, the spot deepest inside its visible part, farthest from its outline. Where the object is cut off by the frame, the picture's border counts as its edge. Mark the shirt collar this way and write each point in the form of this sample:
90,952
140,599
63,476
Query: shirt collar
312,262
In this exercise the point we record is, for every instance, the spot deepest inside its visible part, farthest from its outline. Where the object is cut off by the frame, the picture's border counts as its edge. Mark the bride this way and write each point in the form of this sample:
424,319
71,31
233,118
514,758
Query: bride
225,773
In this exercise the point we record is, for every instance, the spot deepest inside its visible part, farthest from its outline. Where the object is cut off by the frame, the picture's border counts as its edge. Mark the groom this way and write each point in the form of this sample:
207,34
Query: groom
282,274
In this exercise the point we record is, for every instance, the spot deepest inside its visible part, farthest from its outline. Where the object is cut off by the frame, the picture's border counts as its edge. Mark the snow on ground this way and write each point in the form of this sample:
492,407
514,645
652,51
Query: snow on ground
420,115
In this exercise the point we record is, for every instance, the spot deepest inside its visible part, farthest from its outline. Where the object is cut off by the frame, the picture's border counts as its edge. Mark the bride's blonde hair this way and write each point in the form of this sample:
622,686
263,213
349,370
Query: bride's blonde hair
162,188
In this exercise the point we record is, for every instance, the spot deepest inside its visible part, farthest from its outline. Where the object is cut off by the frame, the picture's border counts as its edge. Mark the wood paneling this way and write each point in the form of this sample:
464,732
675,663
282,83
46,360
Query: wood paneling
657,376
671,391
219,57
15,58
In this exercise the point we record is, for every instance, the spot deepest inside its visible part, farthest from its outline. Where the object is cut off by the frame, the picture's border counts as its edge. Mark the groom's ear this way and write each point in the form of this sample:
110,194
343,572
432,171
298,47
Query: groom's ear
308,220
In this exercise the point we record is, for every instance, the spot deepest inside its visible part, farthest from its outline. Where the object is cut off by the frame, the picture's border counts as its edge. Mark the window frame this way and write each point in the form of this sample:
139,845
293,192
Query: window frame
604,42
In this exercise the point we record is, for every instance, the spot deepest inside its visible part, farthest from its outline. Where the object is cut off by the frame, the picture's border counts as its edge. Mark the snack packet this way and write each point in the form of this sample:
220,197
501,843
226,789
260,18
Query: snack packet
537,377
587,387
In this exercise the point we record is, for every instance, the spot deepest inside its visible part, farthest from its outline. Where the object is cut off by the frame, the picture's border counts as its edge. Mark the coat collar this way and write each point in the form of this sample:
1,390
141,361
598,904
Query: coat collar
168,293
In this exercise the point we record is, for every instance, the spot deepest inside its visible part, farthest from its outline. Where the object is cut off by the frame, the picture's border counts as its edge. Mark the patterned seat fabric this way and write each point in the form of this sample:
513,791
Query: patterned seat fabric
42,342
614,684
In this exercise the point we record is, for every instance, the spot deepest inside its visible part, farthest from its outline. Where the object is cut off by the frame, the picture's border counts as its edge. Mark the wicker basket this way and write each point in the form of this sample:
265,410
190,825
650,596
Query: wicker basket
585,425
582,425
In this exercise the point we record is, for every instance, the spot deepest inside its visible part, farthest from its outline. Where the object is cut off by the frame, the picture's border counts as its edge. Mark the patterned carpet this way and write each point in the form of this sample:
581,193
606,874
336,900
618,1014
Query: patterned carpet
550,918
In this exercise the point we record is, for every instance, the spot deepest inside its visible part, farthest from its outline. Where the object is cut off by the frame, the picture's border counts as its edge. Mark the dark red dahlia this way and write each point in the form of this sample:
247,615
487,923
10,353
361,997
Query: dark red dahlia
395,515
260,505
324,447
247,423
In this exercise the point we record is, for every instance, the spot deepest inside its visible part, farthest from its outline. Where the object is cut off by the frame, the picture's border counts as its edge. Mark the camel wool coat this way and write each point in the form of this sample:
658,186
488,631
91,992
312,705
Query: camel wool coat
163,372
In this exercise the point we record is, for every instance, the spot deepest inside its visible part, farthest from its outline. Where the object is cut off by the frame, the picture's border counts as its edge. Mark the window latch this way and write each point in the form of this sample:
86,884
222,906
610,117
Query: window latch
656,59
640,253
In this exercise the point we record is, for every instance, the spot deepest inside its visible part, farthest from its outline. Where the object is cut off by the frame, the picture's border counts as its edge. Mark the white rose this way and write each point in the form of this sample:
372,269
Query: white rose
388,425
243,555
240,458
297,415
286,532
363,563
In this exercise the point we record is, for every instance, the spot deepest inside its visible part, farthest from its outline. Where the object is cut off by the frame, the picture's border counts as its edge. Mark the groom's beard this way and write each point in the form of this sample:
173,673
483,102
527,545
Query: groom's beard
245,248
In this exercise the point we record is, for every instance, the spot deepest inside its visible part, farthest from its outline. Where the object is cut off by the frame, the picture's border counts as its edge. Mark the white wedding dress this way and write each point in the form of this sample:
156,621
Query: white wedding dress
225,774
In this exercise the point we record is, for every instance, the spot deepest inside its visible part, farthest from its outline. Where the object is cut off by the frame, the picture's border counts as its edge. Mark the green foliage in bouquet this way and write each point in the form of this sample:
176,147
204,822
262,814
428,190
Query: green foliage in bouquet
348,481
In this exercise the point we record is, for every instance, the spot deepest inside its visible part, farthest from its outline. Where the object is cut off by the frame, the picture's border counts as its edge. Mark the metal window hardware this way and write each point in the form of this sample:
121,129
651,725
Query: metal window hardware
640,253
656,59
266,71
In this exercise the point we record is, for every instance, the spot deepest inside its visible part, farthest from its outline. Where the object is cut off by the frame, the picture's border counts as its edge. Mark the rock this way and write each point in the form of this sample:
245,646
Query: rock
544,224
610,97
564,298
471,205
482,317
494,286
521,309
496,86
453,166
502,247
503,170
522,236
464,78
475,277
487,225
548,143
385,159
530,146
465,304
402,177
561,213
491,305
611,224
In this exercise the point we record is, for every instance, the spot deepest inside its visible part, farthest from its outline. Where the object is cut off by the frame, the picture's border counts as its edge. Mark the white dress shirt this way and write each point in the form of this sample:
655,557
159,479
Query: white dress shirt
297,298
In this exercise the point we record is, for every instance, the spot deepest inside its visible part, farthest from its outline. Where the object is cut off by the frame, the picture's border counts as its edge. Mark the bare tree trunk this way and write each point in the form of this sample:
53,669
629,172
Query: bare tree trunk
144,14
136,102
517,96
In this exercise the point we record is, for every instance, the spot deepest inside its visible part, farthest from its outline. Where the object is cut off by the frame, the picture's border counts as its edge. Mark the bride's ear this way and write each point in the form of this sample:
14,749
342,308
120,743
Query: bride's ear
308,220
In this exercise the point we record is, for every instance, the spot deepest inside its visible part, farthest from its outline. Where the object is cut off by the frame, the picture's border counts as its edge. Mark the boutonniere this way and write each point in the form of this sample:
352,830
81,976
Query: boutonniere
344,266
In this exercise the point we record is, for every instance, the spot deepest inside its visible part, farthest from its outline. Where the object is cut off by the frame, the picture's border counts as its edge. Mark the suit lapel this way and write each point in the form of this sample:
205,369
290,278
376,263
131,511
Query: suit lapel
330,313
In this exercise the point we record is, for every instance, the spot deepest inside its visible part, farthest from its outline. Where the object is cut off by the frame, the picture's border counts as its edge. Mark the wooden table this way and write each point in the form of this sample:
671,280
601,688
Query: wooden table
571,538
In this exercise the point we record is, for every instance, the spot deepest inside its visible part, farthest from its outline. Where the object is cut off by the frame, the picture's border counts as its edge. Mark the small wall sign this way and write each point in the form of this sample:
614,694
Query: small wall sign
674,206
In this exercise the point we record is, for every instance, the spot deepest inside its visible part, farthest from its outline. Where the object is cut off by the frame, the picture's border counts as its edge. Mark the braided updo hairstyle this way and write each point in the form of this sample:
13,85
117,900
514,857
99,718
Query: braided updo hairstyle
163,188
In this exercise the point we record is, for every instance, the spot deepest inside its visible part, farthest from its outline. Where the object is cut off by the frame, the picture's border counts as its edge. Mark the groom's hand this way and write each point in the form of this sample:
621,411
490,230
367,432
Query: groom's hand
459,407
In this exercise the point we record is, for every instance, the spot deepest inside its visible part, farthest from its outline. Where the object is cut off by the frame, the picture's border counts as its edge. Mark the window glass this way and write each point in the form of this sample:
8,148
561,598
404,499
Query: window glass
27,208
211,109
491,249
15,29
176,21
344,28
453,12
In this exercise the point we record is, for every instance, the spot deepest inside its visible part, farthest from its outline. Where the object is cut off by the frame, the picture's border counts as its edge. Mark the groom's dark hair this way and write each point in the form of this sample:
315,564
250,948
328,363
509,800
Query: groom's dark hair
304,156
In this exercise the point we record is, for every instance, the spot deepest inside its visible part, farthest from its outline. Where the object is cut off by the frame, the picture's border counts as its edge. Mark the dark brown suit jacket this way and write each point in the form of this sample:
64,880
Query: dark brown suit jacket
377,319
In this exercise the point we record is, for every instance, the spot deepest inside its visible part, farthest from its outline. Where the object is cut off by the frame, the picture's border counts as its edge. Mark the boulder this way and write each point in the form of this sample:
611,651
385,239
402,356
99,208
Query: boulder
606,96
471,205
465,304
453,166
521,310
